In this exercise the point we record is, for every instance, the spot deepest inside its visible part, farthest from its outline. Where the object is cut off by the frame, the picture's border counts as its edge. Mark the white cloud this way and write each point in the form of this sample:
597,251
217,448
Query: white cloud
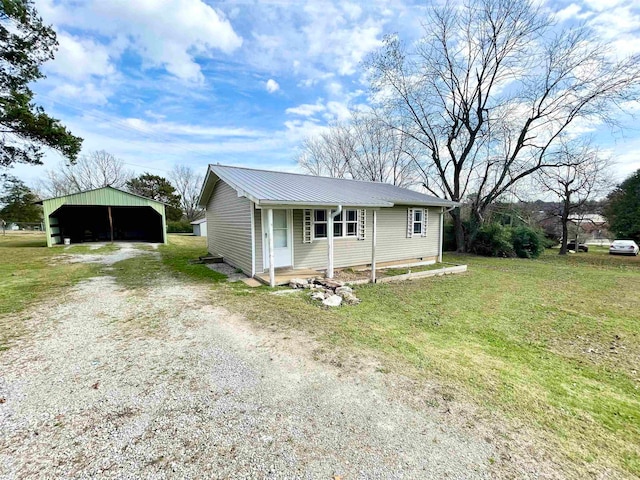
167,34
86,93
569,12
272,86
78,58
306,109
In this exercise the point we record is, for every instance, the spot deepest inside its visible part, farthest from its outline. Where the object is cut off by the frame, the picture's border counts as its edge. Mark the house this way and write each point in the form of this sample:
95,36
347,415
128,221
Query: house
103,214
260,221
200,227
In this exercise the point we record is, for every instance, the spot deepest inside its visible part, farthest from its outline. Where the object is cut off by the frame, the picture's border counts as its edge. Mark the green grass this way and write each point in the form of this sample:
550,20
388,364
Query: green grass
29,272
176,260
552,344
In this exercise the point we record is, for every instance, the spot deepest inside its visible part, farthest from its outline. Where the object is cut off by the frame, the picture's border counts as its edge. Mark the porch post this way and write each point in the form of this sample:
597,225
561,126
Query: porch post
441,234
373,246
329,244
272,269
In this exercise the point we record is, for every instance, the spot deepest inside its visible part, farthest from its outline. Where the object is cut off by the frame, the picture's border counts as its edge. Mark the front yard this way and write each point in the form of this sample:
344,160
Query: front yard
549,347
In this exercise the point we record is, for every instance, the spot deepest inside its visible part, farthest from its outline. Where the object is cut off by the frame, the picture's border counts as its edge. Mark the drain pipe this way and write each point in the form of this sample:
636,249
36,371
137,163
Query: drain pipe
330,218
442,212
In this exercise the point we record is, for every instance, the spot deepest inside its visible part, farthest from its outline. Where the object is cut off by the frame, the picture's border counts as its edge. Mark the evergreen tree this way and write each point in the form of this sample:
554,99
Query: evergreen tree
25,44
623,209
19,202
160,189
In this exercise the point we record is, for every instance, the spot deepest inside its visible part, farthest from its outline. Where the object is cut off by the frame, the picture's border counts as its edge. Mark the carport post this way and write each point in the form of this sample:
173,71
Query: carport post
110,222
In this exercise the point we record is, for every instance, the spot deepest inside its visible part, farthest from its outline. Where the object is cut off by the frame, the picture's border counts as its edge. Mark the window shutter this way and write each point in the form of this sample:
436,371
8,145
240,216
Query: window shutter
425,221
362,224
307,225
409,222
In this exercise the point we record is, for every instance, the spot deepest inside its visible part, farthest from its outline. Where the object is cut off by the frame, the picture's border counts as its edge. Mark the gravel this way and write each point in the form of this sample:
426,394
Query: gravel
160,383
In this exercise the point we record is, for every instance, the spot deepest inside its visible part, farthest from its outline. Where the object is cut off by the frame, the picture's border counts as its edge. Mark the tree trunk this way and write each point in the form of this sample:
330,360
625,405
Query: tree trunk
564,219
458,230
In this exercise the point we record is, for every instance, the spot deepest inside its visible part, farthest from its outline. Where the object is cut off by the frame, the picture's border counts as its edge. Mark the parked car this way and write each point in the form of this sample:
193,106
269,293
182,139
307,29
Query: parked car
571,245
624,247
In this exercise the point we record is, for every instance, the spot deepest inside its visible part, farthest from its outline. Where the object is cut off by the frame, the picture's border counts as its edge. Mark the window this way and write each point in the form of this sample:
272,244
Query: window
344,225
320,223
417,221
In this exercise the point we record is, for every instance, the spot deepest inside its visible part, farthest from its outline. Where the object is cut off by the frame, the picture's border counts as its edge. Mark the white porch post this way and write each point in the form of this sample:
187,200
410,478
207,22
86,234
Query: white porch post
373,246
272,269
441,234
329,244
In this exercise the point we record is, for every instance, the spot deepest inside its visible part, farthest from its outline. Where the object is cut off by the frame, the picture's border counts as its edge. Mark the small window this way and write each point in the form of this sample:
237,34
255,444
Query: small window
320,223
417,221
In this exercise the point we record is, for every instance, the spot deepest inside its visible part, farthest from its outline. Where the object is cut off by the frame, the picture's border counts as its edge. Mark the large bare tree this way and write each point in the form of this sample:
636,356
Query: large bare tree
487,92
363,149
95,170
187,183
580,176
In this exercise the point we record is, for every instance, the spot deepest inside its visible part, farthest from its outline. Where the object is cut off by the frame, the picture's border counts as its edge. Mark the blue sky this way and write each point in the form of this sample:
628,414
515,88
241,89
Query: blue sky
159,82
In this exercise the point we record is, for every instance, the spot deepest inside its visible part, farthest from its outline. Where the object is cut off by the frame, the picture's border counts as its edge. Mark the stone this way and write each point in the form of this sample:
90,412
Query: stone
332,301
341,290
317,295
350,299
298,283
332,283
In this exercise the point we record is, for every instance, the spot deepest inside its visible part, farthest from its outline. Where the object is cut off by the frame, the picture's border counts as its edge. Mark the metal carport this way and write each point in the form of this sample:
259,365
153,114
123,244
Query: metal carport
104,214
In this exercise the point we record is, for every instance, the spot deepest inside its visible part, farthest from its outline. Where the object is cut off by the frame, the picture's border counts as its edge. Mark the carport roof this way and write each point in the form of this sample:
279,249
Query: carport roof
101,193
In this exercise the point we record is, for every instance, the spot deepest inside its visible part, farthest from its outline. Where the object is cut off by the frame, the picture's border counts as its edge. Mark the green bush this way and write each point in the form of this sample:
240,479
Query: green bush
182,226
493,240
448,238
527,242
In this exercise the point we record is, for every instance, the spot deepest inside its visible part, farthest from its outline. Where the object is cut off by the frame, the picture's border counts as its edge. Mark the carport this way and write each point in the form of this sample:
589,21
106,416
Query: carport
104,215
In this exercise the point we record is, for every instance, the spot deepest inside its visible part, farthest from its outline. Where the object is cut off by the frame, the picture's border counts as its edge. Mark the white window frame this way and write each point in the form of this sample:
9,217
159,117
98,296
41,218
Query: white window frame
343,221
419,222
314,222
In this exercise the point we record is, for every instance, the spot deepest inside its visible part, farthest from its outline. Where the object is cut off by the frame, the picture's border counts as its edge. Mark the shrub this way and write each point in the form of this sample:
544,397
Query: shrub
181,226
448,238
493,240
527,242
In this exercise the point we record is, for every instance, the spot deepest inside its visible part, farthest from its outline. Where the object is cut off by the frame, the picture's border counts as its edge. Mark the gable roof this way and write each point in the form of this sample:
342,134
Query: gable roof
98,190
270,188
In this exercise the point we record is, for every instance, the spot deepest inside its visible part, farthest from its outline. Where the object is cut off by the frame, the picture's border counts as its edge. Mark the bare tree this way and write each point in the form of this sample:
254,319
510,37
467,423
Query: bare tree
488,91
95,170
364,149
580,175
188,184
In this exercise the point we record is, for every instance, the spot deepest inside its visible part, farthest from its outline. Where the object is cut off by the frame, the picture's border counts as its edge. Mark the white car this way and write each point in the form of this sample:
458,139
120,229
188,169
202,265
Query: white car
624,247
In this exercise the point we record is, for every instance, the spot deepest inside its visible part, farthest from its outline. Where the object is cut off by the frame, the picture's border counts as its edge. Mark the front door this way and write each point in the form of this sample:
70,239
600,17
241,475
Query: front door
282,238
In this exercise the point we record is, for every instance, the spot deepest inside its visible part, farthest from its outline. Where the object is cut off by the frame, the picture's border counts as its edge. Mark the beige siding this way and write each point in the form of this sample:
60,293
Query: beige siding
392,241
229,227
257,215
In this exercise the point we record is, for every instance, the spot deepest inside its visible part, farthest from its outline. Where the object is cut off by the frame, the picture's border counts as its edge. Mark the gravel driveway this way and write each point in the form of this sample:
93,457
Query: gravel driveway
161,384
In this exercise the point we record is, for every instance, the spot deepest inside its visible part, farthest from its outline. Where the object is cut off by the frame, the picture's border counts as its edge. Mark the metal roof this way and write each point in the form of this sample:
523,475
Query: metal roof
199,221
101,196
270,188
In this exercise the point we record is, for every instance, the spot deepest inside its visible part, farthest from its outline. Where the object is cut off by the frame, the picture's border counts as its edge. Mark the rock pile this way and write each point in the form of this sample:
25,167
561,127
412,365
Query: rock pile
331,293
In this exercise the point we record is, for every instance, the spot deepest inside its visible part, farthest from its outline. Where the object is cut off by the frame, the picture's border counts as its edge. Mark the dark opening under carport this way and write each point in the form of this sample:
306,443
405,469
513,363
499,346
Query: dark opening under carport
94,223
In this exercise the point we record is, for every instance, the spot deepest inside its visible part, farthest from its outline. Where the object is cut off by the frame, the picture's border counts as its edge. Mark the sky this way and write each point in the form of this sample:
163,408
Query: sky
160,82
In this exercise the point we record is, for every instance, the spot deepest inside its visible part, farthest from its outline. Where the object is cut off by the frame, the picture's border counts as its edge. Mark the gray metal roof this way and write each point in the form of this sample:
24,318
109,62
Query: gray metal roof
266,187
199,221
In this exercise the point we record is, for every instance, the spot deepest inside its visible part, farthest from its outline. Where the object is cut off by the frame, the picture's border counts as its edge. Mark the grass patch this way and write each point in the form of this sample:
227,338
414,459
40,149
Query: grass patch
28,273
176,260
552,344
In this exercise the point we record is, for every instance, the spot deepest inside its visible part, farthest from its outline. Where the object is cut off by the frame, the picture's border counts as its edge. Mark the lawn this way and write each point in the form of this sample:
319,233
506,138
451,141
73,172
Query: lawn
550,345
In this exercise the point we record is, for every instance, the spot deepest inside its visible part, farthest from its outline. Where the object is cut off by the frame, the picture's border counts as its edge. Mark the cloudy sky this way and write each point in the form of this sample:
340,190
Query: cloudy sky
159,82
